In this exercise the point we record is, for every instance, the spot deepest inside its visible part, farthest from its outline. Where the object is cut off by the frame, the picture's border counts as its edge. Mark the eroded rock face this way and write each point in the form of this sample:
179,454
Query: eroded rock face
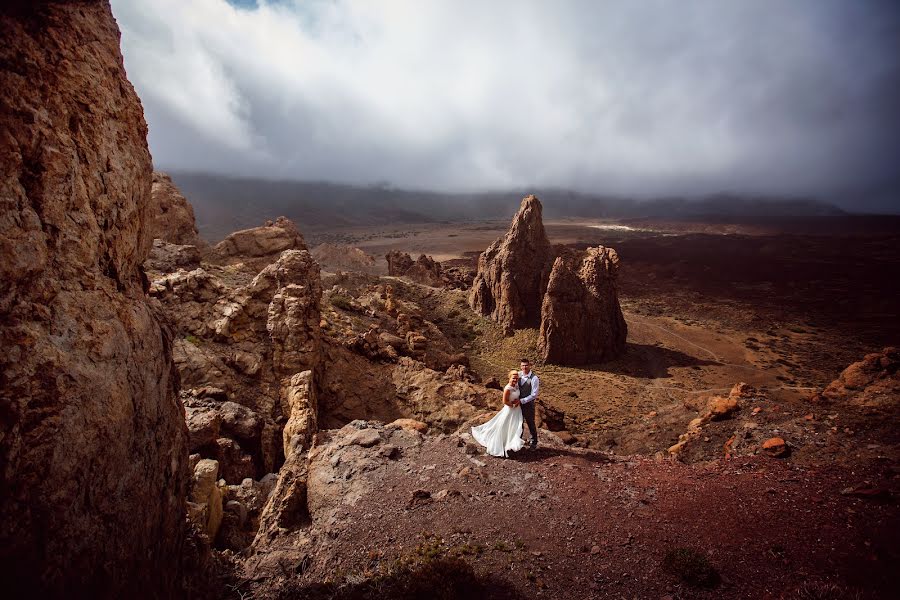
246,341
172,216
581,320
513,271
93,443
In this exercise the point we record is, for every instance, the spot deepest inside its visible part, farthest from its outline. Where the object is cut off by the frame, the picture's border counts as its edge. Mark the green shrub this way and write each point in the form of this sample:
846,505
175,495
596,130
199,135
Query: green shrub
342,301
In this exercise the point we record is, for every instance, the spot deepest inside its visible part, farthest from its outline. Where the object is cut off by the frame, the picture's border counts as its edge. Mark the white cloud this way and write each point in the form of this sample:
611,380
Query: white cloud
616,96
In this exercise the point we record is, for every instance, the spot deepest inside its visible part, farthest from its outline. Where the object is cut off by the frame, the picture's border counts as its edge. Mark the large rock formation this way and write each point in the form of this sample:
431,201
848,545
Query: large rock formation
242,345
93,454
172,216
267,241
513,271
581,320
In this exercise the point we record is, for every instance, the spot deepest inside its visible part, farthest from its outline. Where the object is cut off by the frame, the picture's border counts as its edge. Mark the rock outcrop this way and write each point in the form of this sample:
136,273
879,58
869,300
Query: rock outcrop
243,345
260,242
872,383
93,458
513,272
581,320
424,270
172,215
340,257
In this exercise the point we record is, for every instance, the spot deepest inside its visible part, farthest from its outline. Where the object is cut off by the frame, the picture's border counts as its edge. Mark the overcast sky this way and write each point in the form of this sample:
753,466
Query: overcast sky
649,97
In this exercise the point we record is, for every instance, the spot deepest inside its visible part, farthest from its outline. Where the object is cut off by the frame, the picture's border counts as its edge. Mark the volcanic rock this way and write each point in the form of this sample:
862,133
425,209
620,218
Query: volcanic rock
581,320
775,447
93,445
265,241
872,383
424,270
513,272
172,216
334,257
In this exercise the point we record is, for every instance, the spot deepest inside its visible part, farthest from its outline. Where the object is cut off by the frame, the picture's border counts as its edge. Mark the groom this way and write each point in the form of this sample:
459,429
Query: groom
529,385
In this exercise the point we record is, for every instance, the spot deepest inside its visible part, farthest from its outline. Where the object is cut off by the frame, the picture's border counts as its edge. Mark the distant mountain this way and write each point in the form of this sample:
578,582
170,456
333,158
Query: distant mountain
223,204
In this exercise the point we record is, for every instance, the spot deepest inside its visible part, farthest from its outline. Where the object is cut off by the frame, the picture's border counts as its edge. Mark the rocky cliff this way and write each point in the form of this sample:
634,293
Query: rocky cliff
513,271
93,446
581,320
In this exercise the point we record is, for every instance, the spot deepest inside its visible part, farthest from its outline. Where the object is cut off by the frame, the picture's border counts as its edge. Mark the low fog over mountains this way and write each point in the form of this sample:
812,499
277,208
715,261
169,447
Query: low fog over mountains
223,204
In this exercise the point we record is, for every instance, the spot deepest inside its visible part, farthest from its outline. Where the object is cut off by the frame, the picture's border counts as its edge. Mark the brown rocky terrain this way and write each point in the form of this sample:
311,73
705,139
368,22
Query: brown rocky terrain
237,421
93,443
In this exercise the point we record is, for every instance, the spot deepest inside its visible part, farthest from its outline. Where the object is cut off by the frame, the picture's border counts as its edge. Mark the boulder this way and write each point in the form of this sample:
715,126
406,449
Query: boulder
268,240
721,408
93,444
165,257
205,492
581,320
775,447
512,273
203,424
410,425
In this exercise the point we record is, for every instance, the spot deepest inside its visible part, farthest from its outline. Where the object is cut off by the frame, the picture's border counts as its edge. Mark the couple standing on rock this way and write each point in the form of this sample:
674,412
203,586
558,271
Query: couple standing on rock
503,433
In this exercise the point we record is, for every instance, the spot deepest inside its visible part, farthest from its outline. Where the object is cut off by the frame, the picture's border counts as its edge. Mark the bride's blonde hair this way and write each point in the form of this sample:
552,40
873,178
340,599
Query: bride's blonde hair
511,373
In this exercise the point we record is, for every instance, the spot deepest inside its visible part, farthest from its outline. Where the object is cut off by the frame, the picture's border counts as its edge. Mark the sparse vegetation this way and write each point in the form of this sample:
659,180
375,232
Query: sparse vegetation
692,567
341,301
193,339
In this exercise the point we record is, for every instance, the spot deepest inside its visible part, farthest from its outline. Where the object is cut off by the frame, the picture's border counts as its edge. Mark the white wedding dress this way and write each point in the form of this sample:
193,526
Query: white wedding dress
503,433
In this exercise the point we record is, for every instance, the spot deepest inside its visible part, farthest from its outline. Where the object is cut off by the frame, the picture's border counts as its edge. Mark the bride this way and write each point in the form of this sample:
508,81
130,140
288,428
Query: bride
503,433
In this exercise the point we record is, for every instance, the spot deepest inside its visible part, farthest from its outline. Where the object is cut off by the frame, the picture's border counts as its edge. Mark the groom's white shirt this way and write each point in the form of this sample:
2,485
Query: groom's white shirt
535,385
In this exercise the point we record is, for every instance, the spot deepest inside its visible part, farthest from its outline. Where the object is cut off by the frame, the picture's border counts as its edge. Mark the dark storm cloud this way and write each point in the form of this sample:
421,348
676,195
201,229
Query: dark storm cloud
640,98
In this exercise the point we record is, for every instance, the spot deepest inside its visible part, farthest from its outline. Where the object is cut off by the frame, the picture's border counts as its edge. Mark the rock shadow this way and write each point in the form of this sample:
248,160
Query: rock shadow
444,578
543,453
648,361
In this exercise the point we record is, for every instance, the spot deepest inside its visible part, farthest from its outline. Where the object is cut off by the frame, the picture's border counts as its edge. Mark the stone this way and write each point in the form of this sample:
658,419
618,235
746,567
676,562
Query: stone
239,421
722,408
871,383
206,473
365,438
203,425
775,447
94,444
172,216
301,408
581,319
268,240
411,425
565,437
513,272
493,384
165,257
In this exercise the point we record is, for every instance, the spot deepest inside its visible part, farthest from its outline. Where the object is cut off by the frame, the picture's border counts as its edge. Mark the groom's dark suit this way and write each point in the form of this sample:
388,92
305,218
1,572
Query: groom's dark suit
528,384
